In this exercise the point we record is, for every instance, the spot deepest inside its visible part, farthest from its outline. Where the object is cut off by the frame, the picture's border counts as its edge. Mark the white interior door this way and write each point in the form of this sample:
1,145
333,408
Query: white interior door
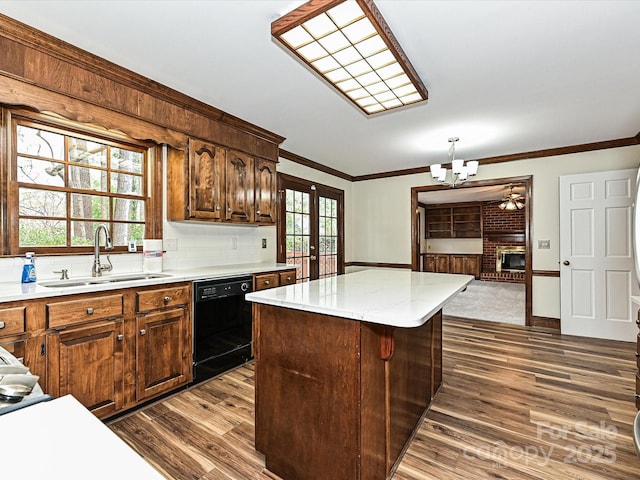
597,276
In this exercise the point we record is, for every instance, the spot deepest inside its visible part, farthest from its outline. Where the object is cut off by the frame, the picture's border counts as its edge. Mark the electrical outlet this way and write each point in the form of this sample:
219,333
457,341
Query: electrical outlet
264,243
544,244
170,244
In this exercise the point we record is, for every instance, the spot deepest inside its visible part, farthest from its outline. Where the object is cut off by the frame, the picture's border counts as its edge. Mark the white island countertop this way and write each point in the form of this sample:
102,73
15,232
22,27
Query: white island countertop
397,298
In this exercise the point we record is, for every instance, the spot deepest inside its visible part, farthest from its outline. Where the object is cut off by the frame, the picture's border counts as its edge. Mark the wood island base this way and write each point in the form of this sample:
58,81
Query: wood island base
338,398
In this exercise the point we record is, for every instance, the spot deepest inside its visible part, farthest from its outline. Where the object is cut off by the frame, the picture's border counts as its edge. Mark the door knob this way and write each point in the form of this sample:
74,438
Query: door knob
566,262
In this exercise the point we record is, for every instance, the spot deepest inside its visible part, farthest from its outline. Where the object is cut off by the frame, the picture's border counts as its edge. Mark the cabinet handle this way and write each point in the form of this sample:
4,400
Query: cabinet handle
167,299
258,212
288,279
637,354
638,322
1,325
228,209
218,207
313,257
143,332
120,337
266,282
89,311
637,395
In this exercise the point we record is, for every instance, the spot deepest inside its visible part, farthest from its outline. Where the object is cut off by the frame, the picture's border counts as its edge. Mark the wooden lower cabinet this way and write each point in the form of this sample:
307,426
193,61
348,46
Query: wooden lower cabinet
162,352
113,350
466,264
86,362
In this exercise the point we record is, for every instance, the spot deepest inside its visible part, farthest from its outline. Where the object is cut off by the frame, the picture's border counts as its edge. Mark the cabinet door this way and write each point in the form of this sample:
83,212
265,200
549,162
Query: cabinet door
206,180
458,263
265,193
86,362
240,194
472,265
429,263
163,352
442,264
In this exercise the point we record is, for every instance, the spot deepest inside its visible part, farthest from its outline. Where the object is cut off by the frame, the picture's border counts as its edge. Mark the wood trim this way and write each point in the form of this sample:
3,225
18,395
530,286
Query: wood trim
546,322
505,236
546,273
51,46
316,166
377,265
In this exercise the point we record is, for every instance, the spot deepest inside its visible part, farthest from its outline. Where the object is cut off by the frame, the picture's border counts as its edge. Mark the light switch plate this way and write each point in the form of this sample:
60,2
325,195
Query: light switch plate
544,244
264,243
132,246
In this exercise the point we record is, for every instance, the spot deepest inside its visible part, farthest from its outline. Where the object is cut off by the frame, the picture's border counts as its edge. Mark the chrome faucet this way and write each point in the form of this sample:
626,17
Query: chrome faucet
97,269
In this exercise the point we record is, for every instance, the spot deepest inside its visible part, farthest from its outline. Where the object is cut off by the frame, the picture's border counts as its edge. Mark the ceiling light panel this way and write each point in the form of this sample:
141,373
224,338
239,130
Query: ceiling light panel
348,43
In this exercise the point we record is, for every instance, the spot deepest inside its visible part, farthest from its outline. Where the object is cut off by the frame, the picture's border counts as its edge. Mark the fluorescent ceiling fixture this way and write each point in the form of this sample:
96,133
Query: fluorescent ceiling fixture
348,42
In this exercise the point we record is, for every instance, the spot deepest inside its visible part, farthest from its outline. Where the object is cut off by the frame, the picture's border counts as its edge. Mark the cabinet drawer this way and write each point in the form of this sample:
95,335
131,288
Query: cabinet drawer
163,297
266,280
287,278
88,309
11,321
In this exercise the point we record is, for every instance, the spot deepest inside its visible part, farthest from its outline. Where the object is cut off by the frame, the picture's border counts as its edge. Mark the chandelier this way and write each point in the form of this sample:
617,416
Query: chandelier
512,201
460,172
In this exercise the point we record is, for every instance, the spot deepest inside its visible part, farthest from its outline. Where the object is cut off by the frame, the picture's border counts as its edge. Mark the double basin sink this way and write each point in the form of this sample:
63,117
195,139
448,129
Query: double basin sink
82,281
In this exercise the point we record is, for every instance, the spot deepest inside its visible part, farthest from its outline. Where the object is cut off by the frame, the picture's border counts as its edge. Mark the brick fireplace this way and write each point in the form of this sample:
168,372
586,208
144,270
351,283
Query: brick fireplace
500,228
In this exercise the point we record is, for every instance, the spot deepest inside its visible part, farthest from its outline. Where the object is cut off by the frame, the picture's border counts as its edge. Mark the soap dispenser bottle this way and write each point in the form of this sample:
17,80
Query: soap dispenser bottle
29,268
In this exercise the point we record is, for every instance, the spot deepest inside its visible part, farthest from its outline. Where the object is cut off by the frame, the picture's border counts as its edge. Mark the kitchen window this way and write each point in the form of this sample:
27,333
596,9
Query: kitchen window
65,182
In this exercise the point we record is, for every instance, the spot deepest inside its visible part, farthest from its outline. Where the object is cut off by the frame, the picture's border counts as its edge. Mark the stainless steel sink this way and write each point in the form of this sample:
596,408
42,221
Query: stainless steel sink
80,281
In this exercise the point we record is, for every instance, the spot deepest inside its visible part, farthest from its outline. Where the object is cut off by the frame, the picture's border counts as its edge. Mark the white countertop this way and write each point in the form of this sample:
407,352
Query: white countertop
10,291
399,298
62,440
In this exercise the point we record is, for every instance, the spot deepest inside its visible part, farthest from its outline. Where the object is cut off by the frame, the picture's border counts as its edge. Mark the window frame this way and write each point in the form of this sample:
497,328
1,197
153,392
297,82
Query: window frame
9,209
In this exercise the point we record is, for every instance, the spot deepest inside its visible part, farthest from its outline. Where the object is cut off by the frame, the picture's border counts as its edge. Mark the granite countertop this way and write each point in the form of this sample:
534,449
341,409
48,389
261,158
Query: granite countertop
399,298
11,291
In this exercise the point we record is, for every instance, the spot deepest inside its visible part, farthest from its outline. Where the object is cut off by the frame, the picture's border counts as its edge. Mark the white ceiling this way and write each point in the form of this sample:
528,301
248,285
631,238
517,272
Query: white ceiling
506,77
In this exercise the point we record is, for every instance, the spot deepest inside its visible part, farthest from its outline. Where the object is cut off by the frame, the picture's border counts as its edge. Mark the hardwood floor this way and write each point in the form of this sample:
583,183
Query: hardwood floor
515,404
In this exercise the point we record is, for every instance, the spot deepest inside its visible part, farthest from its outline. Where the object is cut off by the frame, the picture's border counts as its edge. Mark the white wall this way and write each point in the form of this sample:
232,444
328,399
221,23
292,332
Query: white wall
381,212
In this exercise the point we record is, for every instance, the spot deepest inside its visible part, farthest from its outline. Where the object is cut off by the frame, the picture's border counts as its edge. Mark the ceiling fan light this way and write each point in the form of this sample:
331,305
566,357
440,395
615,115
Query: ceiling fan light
472,166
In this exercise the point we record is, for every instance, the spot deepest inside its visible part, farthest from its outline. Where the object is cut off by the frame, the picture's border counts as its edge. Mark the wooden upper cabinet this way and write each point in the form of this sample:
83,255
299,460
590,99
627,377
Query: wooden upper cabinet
265,191
206,180
240,196
217,184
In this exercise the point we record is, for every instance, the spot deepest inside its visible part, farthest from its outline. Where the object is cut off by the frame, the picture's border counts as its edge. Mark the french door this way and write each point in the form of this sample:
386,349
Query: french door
310,228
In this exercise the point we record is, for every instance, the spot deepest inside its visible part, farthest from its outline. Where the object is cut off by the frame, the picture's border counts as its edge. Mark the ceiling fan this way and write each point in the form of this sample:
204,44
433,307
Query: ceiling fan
511,201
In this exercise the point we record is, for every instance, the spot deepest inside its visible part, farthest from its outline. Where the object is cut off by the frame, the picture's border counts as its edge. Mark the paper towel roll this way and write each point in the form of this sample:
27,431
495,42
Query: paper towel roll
151,256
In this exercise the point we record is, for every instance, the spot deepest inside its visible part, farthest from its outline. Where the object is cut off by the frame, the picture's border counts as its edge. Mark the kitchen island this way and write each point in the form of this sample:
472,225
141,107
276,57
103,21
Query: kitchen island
346,367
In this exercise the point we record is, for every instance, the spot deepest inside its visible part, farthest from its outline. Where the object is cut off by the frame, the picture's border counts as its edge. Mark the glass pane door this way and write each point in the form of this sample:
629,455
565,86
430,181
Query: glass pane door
298,231
328,237
310,228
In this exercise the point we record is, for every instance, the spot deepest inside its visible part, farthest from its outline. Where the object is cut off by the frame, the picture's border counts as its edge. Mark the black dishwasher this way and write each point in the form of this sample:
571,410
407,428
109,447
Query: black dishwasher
222,326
